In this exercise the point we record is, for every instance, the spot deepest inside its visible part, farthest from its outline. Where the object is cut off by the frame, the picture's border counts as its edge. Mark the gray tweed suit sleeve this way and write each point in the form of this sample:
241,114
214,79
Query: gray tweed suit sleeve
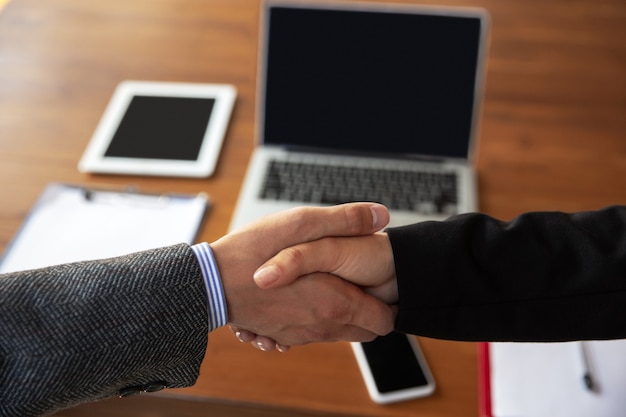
86,331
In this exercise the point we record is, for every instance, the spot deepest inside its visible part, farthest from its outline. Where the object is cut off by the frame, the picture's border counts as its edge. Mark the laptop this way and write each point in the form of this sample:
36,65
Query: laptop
367,102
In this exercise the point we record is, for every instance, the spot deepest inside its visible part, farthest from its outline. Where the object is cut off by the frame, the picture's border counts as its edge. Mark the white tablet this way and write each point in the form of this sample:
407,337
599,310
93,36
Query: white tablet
159,128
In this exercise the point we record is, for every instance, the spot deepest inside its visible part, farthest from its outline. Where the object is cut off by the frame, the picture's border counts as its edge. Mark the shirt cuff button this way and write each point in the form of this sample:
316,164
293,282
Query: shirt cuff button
155,386
129,391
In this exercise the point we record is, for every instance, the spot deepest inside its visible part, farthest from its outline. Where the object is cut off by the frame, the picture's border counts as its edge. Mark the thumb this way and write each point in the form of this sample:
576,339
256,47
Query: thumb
364,260
322,255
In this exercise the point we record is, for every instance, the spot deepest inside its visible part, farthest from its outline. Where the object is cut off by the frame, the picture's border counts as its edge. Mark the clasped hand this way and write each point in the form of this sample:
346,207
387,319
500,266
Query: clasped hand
310,274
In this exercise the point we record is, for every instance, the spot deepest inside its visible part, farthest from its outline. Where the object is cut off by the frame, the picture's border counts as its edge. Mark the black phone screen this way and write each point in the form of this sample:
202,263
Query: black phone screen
393,363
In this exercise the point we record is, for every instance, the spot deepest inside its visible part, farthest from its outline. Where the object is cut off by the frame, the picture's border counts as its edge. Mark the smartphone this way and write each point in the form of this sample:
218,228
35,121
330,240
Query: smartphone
394,368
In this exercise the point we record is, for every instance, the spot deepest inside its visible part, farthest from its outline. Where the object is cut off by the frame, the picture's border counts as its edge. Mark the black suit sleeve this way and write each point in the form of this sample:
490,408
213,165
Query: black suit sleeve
541,277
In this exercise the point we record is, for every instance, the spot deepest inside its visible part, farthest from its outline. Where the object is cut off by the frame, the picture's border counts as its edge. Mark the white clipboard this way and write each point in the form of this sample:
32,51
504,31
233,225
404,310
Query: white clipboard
71,223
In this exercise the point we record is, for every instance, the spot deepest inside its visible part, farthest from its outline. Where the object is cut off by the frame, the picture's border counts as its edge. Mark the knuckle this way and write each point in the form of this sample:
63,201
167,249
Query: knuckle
293,256
357,218
298,252
339,313
303,222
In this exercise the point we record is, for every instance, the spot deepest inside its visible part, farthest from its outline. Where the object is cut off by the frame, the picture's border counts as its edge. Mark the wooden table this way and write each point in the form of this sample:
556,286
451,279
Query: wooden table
553,138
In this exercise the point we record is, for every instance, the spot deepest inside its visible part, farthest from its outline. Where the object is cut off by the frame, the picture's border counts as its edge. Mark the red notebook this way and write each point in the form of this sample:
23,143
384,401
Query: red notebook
484,381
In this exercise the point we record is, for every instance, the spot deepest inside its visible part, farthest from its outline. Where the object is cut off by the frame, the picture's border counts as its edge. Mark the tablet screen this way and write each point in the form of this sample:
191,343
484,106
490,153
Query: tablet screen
171,128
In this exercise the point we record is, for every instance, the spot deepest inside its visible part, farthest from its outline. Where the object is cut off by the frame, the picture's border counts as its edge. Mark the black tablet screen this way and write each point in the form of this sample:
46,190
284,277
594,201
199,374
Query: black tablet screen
170,128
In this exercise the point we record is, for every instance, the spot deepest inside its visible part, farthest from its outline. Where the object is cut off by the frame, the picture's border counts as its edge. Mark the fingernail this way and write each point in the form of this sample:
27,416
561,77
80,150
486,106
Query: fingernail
266,276
260,346
378,213
238,336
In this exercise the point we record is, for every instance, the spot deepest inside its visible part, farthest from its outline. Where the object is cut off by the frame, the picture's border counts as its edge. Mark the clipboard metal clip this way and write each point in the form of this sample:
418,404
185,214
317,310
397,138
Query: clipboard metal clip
130,196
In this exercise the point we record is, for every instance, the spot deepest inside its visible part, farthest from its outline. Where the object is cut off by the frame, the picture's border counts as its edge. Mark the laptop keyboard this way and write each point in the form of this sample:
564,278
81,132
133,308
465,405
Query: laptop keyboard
425,192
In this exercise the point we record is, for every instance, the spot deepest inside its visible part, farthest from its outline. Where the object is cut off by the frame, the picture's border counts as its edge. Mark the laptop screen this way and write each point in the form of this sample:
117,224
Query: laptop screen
396,82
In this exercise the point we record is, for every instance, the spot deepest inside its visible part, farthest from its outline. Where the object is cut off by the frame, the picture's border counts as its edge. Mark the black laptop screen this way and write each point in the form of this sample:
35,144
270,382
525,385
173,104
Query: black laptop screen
368,81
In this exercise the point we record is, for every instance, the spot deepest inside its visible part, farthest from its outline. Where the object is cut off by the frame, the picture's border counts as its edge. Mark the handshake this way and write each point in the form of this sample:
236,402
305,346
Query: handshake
311,274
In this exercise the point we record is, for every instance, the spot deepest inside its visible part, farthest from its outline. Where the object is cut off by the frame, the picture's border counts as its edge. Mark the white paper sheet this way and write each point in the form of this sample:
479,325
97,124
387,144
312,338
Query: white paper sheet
71,224
546,380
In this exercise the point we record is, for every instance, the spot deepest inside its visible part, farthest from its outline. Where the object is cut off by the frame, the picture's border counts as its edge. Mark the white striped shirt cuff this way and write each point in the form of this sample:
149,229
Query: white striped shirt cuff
218,313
